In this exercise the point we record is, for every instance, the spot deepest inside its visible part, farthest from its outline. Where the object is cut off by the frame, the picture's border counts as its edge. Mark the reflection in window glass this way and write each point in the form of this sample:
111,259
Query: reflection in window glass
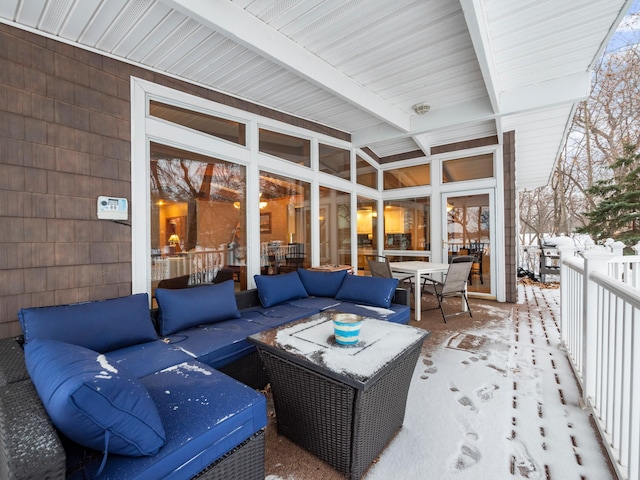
367,227
407,224
294,149
335,161
197,227
218,127
407,177
285,227
469,168
335,227
366,174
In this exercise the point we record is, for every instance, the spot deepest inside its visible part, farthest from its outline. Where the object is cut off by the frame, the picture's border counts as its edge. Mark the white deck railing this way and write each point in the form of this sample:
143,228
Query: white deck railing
600,305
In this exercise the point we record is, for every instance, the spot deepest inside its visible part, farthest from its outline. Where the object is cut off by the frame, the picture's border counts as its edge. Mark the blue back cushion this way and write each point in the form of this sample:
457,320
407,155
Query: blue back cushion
321,284
101,326
86,397
374,291
190,307
275,289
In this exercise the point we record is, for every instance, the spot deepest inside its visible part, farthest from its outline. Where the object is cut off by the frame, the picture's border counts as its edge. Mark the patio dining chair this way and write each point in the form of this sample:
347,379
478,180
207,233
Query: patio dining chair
379,267
454,284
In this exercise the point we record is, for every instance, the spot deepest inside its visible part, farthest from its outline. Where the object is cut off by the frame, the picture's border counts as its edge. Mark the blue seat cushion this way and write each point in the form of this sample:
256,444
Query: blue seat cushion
374,291
144,359
91,401
101,325
321,284
219,343
188,307
205,414
315,303
396,313
276,289
278,315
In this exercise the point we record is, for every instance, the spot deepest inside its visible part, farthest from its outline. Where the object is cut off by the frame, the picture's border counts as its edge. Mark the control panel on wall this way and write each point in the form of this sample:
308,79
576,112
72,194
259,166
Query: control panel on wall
113,208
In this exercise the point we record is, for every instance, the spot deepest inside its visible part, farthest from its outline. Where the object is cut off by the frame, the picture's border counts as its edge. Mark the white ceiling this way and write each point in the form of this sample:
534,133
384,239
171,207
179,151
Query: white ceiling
484,66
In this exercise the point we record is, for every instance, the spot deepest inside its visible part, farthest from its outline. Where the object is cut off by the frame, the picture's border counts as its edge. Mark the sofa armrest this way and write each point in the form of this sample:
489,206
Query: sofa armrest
29,444
12,366
401,296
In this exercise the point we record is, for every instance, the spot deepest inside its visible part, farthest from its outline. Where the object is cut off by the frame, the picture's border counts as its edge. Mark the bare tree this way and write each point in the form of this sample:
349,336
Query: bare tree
601,126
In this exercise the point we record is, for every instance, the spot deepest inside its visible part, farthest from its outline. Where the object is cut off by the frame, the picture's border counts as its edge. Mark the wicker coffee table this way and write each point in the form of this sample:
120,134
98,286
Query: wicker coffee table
344,404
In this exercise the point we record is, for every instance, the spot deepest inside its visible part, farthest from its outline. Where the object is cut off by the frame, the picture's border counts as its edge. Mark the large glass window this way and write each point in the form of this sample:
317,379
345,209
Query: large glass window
285,228
229,130
196,228
407,224
367,226
287,147
468,168
335,227
366,174
407,177
335,161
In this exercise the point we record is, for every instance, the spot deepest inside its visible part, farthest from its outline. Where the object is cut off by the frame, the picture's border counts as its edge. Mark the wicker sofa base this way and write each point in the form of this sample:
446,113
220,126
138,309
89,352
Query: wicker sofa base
346,427
245,462
248,370
29,445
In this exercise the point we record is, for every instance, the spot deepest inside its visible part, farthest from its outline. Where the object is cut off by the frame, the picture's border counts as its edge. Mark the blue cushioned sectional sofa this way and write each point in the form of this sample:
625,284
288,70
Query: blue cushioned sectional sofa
135,393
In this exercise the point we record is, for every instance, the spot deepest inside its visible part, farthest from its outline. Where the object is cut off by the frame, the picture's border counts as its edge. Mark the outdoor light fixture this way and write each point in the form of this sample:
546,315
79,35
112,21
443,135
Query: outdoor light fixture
421,108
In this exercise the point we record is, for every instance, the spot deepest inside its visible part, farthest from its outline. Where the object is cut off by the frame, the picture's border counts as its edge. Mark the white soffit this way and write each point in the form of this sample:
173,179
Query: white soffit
539,137
484,66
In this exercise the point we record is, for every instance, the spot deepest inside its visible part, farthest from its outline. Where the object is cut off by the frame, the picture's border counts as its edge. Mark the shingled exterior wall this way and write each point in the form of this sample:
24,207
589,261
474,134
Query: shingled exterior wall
510,217
64,140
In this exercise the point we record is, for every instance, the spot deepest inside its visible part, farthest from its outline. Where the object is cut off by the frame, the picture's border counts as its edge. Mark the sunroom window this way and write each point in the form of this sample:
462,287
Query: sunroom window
414,176
197,228
229,130
287,147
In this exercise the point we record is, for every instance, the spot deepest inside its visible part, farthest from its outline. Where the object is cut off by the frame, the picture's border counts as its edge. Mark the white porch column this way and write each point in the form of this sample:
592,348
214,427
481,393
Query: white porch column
595,260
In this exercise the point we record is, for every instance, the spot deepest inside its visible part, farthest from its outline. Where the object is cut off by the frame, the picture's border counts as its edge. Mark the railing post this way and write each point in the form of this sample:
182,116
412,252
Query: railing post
565,251
636,248
617,248
595,260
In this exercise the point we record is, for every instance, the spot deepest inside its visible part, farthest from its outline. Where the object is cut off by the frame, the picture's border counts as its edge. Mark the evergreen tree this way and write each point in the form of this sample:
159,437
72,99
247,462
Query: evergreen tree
617,211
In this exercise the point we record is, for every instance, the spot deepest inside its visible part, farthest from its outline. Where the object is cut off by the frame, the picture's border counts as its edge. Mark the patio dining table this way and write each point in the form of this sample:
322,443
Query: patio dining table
418,269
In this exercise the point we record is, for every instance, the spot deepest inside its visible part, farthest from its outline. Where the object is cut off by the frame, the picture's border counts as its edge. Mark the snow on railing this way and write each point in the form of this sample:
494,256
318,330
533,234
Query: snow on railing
600,305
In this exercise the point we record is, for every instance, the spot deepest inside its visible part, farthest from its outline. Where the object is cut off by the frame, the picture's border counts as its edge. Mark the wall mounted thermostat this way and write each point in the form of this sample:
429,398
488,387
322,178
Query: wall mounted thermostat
113,208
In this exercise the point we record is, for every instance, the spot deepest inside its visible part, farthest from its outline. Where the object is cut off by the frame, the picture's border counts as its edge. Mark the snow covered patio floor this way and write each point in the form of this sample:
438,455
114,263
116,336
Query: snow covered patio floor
492,397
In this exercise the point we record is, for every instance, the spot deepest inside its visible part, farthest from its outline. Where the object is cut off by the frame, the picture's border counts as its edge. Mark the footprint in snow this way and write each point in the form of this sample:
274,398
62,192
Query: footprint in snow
467,457
486,392
467,402
522,464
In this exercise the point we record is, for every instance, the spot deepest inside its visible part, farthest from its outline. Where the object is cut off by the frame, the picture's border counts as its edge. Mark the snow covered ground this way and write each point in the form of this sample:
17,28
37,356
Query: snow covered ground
499,401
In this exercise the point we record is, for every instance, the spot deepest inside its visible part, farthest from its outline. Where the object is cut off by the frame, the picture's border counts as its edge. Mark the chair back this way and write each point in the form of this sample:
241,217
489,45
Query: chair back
457,274
379,266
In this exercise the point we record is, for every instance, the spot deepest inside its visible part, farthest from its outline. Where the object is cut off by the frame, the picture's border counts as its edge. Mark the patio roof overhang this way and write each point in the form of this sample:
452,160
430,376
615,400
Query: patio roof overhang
484,67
